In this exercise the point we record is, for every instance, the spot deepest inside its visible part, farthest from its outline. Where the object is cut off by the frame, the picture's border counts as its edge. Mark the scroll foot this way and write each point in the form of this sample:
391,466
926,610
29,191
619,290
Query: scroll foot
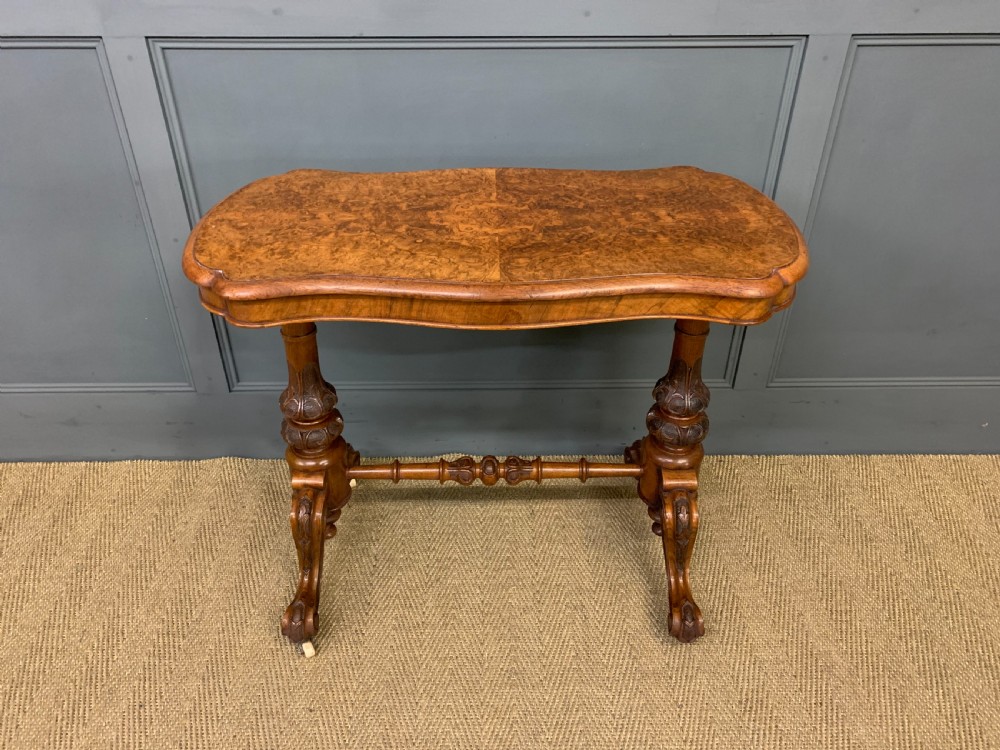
680,526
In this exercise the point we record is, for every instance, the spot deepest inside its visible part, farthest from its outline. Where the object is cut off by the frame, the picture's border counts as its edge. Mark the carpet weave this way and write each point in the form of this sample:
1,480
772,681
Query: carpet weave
850,602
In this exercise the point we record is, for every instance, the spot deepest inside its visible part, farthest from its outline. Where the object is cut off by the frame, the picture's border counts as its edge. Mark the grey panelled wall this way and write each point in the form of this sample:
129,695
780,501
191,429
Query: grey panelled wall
80,294
875,126
907,218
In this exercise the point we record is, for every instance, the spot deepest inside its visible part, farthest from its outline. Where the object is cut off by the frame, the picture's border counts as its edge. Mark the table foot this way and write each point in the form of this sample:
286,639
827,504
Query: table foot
680,525
301,619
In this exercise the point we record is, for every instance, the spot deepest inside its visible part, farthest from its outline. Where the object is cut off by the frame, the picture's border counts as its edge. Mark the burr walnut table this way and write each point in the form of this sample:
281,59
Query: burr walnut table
495,249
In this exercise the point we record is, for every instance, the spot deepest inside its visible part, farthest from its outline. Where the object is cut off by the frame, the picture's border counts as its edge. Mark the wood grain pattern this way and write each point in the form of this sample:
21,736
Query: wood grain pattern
495,248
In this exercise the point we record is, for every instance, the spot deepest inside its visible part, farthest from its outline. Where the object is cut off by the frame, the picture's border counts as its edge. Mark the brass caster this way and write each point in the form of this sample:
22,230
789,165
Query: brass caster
354,483
308,649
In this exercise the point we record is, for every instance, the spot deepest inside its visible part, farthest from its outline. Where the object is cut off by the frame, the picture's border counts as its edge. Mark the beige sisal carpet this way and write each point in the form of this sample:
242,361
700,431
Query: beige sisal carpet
850,602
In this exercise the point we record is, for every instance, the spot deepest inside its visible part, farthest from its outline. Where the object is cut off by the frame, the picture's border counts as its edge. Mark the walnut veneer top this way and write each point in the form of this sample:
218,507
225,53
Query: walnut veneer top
495,248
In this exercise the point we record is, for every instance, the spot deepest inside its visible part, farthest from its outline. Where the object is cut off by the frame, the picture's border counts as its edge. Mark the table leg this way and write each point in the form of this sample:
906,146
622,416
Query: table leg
318,458
670,456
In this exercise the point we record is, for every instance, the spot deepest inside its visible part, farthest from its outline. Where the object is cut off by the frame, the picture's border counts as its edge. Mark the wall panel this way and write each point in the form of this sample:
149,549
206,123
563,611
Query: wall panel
82,296
905,223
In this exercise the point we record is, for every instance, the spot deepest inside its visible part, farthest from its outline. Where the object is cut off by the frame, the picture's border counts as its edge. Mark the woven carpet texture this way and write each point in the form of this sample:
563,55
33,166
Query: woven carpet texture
850,602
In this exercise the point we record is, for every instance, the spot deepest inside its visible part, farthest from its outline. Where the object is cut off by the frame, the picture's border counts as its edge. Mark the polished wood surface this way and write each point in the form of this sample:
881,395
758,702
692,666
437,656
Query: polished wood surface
318,458
489,470
677,424
496,248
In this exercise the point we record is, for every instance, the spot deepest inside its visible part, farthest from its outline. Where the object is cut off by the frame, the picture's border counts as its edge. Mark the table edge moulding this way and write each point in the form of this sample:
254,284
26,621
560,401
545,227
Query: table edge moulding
501,248
538,254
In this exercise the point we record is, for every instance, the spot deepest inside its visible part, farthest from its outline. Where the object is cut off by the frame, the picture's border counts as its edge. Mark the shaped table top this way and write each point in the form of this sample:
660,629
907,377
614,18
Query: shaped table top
496,248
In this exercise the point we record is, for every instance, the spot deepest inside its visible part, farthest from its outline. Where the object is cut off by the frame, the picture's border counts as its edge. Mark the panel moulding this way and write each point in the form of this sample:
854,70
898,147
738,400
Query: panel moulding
96,44
858,41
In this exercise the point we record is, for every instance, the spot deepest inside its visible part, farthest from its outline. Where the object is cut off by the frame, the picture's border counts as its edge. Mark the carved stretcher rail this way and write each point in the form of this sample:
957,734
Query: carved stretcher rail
489,470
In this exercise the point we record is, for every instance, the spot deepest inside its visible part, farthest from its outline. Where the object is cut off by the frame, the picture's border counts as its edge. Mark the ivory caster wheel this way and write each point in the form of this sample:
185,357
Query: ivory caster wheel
354,483
308,649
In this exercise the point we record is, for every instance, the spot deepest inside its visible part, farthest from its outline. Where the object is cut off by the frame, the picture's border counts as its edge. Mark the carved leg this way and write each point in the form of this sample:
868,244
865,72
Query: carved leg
318,458
680,526
670,456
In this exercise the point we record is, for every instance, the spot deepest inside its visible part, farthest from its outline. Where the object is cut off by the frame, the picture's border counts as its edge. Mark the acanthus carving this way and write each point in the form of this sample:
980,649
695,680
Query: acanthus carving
461,470
308,398
681,392
678,420
312,439
682,523
691,625
301,619
318,458
670,434
311,423
517,469
669,457
303,501
490,470
295,617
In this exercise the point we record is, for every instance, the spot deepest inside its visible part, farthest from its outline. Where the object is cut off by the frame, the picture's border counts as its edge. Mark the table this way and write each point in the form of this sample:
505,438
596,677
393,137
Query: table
497,248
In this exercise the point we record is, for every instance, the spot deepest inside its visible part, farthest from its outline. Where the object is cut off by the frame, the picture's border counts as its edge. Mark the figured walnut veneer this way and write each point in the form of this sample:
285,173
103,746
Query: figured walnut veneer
495,248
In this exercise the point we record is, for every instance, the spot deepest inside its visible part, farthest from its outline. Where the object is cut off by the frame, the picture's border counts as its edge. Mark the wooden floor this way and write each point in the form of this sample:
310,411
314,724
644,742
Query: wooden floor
849,602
